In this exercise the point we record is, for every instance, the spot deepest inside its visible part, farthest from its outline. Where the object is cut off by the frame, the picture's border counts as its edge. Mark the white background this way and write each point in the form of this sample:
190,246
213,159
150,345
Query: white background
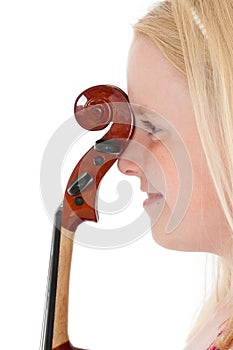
137,297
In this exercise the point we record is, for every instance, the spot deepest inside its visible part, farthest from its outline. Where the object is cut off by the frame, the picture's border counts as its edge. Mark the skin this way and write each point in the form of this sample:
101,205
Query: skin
172,161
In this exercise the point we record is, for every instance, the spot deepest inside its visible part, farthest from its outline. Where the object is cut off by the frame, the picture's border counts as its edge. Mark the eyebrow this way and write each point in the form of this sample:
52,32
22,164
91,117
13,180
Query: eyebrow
146,112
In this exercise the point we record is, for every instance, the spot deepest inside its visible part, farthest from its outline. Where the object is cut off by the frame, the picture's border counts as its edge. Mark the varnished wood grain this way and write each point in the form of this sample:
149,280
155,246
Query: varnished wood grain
60,333
94,109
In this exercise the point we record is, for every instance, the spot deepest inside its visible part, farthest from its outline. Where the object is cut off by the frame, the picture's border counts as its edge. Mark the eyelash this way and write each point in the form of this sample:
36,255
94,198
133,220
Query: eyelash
149,126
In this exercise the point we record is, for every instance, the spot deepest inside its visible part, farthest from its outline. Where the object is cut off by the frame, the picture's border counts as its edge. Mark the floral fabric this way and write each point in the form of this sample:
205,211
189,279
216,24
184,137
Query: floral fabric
213,347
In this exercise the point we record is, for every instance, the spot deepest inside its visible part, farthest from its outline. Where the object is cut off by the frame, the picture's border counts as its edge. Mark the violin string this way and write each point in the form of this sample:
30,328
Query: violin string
47,293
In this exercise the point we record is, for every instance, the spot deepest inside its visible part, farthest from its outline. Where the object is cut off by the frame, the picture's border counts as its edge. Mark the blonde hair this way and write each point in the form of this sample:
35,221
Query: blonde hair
196,37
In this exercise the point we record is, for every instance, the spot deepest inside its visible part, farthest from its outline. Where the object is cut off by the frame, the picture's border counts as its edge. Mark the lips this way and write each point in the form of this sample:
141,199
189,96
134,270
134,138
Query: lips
152,197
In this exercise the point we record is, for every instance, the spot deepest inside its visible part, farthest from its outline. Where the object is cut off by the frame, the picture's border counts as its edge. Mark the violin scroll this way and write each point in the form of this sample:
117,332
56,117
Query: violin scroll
95,109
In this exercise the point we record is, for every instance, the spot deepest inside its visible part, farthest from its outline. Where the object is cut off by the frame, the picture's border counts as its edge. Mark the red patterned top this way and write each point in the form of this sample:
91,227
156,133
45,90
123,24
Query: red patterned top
213,347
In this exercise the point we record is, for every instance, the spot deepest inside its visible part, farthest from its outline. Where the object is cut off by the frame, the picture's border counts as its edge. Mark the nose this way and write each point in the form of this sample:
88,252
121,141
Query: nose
128,167
130,161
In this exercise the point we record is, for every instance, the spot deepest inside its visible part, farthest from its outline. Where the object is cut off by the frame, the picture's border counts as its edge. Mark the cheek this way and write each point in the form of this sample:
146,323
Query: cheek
204,195
170,168
205,201
203,226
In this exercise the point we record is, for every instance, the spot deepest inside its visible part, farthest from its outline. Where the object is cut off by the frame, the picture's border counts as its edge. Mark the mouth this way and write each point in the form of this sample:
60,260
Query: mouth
152,198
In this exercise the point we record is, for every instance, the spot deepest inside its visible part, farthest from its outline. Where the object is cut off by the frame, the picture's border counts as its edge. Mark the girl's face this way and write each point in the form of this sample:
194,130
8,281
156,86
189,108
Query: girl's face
166,154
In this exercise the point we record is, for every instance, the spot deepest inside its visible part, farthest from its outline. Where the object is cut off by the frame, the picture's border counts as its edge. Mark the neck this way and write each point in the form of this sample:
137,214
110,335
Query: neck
55,328
60,330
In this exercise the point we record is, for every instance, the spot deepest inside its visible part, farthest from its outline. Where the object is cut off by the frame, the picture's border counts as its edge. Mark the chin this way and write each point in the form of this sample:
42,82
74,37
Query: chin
167,241
184,237
179,240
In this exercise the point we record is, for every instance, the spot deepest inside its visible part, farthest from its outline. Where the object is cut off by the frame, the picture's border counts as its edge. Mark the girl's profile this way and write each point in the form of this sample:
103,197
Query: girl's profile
180,75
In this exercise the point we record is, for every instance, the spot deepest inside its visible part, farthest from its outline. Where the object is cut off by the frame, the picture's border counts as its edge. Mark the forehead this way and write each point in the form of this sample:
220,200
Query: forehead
155,83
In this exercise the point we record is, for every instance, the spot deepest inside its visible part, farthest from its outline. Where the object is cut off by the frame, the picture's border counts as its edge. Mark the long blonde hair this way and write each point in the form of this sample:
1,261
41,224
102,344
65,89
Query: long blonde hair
196,37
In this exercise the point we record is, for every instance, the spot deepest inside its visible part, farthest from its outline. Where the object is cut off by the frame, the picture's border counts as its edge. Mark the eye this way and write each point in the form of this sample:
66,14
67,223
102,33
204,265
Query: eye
153,130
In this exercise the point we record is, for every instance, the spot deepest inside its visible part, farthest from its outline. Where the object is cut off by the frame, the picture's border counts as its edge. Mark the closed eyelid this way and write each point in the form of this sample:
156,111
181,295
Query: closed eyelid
150,126
148,119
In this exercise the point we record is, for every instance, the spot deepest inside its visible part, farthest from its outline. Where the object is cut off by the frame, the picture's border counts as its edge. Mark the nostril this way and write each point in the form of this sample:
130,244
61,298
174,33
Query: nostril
130,172
128,167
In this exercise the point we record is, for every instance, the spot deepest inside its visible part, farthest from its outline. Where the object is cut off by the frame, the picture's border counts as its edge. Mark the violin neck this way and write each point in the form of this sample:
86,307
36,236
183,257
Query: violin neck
55,328
60,329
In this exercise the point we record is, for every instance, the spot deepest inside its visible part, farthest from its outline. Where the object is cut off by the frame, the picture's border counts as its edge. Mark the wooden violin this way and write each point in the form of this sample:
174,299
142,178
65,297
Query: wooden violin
94,109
